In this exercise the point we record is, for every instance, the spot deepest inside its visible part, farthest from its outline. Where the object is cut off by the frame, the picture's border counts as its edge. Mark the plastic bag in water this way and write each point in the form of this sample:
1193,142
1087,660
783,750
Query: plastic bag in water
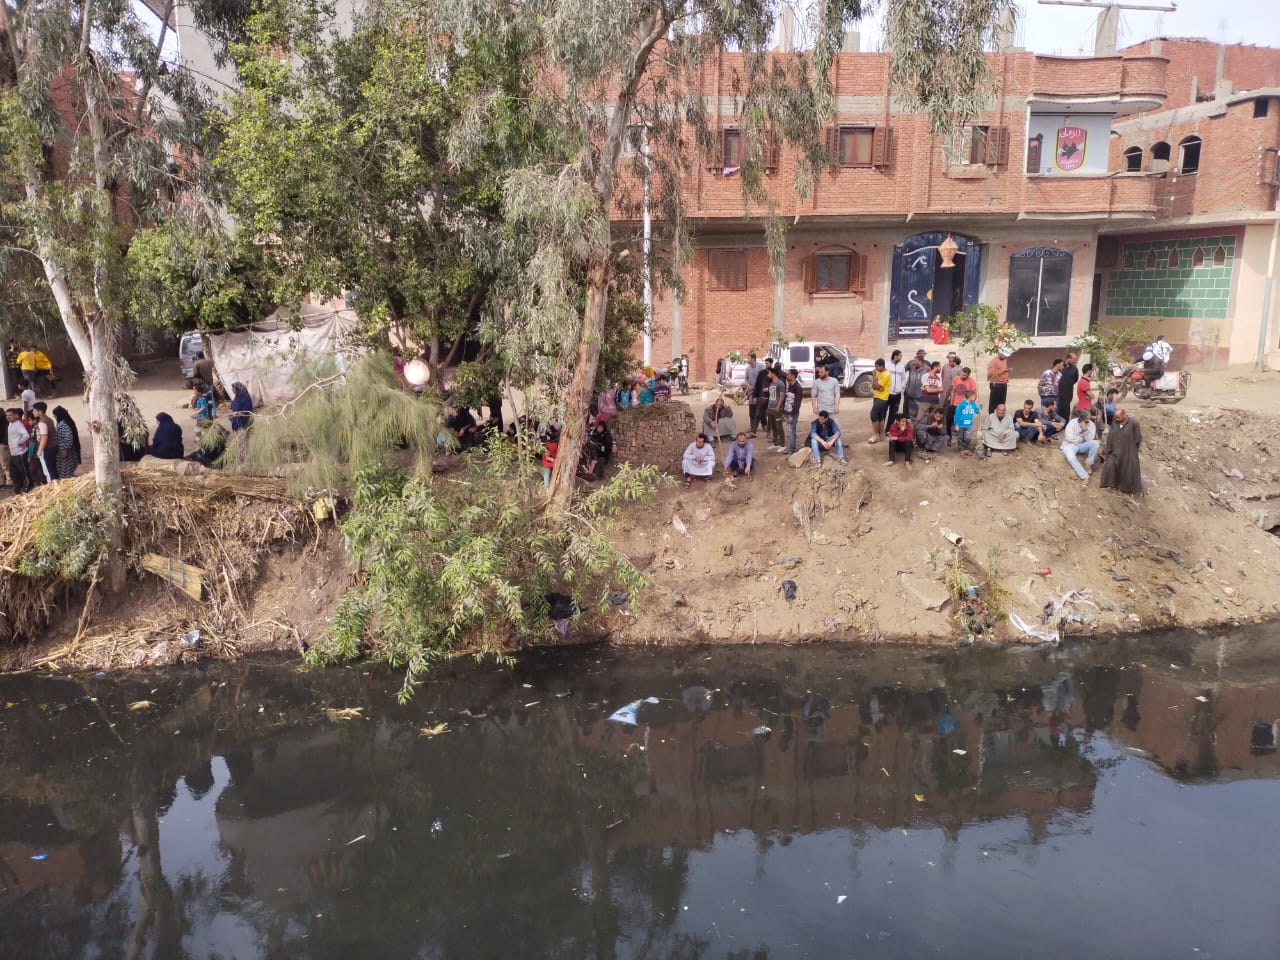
627,714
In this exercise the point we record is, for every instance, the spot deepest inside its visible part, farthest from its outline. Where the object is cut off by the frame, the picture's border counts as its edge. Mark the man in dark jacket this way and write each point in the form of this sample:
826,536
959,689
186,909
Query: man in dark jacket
1067,386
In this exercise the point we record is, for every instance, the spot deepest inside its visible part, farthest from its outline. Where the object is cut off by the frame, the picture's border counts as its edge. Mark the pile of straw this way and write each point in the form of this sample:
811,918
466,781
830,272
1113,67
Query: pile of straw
220,525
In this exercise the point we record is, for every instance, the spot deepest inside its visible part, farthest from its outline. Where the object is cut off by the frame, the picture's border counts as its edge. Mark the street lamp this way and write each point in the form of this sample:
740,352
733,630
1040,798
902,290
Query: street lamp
417,372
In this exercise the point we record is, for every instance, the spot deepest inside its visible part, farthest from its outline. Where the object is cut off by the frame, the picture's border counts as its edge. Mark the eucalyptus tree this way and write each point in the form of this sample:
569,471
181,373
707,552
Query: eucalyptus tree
90,116
622,84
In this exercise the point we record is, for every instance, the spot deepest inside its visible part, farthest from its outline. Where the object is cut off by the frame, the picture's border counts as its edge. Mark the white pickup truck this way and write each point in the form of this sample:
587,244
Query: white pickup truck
854,374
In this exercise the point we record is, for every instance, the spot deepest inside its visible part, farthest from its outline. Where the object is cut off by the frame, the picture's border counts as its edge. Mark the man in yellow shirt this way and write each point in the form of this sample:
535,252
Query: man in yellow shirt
44,370
881,381
27,364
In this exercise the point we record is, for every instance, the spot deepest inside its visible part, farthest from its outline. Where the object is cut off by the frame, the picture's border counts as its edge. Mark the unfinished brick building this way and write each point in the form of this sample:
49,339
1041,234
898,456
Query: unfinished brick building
1037,193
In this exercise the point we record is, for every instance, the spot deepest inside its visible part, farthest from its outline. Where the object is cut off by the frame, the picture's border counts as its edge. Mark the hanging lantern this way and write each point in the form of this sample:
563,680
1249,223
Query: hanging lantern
948,249
417,372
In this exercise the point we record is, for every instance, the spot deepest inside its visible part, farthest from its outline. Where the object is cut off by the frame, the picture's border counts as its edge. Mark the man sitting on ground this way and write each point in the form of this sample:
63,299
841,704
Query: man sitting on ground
1027,423
998,432
901,439
1051,421
1081,436
824,434
739,457
699,460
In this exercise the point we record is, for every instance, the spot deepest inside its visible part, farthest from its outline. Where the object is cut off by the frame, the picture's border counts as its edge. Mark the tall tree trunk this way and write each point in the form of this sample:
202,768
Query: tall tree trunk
578,398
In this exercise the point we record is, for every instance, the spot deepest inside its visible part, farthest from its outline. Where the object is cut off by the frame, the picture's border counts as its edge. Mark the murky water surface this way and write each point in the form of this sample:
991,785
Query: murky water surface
1118,800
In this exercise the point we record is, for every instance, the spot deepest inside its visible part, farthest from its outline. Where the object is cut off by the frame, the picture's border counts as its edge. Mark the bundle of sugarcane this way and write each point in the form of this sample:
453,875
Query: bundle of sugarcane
187,578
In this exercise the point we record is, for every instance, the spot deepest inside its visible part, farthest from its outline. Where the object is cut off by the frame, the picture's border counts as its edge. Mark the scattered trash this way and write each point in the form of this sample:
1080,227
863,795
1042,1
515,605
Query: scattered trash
362,836
1121,577
789,590
1234,472
728,549
616,823
436,827
503,856
919,797
1202,698
762,731
40,856
343,713
679,526
1044,636
790,560
1045,572
190,639
141,705
627,714
924,503
532,703
677,598
959,753
435,731
952,536
619,597
841,899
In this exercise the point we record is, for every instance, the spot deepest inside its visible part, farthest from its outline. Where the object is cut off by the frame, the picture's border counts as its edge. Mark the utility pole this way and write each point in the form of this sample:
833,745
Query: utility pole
1108,28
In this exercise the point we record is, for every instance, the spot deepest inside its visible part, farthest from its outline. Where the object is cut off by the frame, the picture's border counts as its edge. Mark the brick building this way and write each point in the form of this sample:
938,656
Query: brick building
1027,190
1202,271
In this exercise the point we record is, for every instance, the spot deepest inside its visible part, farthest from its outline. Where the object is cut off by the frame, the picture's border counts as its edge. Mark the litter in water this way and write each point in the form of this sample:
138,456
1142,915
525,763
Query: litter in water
627,714
841,899
362,836
40,856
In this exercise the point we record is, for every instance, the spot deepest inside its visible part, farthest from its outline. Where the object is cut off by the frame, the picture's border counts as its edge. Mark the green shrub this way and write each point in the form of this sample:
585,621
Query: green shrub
68,539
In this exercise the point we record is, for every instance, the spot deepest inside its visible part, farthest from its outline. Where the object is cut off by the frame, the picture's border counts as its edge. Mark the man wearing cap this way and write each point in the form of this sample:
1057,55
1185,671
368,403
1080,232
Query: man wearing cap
1067,385
998,379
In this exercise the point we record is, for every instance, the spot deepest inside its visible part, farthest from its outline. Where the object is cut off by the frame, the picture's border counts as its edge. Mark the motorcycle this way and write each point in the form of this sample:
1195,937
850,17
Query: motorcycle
678,373
1170,387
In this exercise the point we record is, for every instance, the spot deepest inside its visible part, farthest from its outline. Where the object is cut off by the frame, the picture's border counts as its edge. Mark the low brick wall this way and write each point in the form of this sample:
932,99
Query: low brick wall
655,434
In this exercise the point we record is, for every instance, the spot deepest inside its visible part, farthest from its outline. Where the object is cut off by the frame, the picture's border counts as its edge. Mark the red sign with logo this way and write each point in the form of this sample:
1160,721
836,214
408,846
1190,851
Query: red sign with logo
1069,151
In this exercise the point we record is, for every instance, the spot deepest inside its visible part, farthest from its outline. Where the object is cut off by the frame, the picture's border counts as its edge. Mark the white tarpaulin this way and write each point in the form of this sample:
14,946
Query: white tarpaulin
265,357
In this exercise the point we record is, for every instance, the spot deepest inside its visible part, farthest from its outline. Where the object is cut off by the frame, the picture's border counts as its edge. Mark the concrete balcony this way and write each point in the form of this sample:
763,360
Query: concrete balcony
1120,85
1085,197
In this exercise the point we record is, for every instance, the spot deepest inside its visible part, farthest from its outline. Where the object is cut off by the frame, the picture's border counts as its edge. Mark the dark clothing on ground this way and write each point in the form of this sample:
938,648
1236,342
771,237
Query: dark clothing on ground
166,444
1122,470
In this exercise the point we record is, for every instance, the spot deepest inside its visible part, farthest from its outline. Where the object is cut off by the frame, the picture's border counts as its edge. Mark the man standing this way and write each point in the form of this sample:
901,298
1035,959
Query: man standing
897,382
1123,471
44,436
998,379
825,393
1067,385
881,385
916,370
739,457
950,372
1048,385
18,437
754,388
791,402
824,434
1080,437
204,369
777,393
27,364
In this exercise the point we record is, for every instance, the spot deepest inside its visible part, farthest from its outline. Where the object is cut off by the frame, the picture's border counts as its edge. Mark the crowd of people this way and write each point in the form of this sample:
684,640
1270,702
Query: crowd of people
924,408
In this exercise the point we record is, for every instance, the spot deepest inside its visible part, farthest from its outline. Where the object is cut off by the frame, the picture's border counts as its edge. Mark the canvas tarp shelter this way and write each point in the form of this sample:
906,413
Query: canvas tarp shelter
265,356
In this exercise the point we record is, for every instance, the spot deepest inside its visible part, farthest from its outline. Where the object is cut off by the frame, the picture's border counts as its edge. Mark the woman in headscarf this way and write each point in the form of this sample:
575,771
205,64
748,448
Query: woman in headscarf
68,443
241,406
166,444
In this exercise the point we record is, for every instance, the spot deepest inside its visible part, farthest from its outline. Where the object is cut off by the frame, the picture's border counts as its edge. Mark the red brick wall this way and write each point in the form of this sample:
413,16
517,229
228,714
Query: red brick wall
1246,66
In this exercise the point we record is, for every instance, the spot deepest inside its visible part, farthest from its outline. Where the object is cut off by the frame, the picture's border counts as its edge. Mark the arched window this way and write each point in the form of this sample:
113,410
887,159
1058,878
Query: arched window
1220,256
1039,290
1197,258
1133,160
1189,155
1126,262
1152,261
1174,259
1159,157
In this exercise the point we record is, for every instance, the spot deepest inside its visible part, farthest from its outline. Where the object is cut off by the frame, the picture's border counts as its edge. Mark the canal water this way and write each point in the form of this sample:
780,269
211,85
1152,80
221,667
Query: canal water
1117,799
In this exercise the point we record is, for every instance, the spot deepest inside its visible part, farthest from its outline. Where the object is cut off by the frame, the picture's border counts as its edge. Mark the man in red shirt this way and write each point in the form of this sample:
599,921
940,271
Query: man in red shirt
998,379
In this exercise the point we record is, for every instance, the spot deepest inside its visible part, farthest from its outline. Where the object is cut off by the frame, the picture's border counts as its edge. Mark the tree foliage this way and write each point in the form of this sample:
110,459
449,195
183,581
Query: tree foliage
1112,344
343,420
463,563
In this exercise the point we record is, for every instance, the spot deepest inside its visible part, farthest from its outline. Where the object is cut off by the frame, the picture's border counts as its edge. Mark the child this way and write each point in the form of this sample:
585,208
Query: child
966,411
662,389
549,458
203,404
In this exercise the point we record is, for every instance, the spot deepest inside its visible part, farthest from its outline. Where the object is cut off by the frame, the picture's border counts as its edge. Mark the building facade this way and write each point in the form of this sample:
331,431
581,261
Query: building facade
1035,192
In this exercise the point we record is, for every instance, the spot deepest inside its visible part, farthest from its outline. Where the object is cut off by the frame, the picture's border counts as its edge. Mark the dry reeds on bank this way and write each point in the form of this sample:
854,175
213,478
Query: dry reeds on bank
217,525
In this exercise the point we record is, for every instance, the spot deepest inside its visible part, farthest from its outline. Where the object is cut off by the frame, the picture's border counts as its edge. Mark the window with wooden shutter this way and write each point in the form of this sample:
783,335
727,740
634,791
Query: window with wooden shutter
842,271
726,270
996,143
1035,147
880,147
730,151
855,146
975,147
715,159
772,153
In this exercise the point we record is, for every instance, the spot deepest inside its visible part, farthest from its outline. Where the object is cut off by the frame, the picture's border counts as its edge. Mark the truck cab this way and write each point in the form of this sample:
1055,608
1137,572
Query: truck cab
854,374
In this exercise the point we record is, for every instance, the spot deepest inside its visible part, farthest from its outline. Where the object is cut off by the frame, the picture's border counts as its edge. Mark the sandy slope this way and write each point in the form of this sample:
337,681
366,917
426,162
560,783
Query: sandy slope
872,561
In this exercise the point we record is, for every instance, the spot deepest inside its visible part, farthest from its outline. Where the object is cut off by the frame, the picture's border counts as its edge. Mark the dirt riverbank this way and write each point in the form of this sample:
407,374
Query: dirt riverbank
863,544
